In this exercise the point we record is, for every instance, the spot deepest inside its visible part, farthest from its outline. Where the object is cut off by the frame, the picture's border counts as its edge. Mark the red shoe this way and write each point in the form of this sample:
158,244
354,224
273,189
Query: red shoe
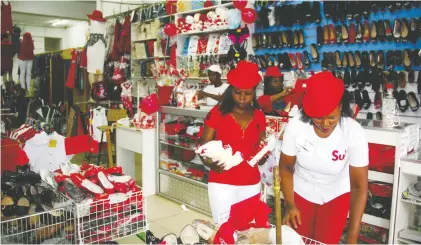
81,181
115,170
292,60
300,61
92,172
59,178
119,179
351,34
120,187
85,166
332,34
105,183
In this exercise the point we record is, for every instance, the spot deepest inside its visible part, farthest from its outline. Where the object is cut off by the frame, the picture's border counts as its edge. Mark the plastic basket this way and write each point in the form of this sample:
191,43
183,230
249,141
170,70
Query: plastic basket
55,226
102,221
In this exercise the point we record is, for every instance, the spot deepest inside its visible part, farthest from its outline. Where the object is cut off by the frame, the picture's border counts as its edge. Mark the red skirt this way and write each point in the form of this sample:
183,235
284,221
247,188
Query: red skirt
70,82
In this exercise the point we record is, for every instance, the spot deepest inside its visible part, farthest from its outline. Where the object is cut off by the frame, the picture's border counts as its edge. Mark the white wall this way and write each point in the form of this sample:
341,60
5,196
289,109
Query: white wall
75,36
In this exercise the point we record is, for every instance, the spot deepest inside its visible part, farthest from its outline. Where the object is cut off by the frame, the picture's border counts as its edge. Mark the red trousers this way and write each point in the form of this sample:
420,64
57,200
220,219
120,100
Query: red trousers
324,223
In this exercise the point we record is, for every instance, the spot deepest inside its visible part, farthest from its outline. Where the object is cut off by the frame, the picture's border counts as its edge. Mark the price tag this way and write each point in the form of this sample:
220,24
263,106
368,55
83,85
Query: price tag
52,144
237,55
98,72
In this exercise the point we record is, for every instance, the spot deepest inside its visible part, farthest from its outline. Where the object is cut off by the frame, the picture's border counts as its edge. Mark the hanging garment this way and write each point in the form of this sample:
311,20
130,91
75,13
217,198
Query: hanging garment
70,82
97,117
25,67
58,79
11,155
126,97
124,45
6,19
109,37
96,47
46,152
16,39
7,53
115,55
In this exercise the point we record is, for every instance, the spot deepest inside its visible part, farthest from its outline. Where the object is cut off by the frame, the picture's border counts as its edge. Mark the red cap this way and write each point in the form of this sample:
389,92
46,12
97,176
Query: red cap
97,15
244,76
323,94
273,71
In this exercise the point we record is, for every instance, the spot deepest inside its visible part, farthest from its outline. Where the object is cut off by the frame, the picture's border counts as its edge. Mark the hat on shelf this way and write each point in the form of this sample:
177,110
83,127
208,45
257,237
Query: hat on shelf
244,76
273,71
214,68
97,16
323,94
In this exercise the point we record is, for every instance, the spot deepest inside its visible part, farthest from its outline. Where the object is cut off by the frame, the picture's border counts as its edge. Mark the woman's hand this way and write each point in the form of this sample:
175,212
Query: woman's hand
215,166
292,217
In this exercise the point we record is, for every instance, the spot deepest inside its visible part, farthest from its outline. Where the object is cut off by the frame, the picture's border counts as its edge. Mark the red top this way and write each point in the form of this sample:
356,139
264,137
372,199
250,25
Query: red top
265,103
26,47
245,141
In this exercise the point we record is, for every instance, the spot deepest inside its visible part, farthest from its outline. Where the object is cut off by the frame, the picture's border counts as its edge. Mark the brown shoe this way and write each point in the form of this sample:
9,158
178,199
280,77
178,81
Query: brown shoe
402,79
338,59
406,59
345,63
351,60
344,34
326,34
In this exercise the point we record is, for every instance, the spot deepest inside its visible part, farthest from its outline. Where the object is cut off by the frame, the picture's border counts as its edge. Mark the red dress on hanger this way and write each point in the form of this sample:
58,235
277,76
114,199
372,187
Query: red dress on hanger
6,19
70,82
115,54
125,37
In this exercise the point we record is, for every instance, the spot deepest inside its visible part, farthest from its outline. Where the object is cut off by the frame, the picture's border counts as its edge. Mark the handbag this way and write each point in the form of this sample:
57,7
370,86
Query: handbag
150,104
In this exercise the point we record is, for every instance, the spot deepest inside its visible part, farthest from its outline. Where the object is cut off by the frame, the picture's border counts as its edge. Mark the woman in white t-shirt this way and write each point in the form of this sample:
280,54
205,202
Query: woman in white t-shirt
213,92
323,164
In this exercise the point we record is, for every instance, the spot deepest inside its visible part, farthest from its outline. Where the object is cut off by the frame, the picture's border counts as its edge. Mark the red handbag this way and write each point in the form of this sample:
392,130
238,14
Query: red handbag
382,158
164,94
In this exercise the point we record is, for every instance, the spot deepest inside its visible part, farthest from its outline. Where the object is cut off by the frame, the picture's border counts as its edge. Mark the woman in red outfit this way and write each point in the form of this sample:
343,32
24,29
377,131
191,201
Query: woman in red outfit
274,92
237,122
324,164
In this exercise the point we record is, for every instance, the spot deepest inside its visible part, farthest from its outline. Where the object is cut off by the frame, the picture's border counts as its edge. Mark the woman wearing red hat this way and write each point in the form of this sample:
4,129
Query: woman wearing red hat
274,92
323,164
237,122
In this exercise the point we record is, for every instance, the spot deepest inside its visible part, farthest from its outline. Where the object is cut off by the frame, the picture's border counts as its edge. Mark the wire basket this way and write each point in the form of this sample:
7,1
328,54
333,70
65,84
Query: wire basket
55,226
105,220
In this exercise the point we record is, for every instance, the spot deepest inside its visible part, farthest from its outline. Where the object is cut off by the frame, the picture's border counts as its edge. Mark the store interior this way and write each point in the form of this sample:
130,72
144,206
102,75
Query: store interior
103,105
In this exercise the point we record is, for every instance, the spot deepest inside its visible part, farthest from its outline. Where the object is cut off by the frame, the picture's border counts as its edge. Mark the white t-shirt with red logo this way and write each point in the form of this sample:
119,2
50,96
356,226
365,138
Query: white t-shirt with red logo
322,167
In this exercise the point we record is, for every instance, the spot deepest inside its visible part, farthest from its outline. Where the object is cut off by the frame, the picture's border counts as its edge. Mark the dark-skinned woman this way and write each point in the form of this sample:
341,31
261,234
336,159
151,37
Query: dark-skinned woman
237,122
272,99
323,164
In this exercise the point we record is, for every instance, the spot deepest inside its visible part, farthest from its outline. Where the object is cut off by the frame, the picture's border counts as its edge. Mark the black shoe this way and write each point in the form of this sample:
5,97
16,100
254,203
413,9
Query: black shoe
366,100
369,115
351,97
365,60
398,57
402,100
306,58
347,78
358,99
358,61
353,78
361,80
390,60
413,31
379,116
411,76
415,57
375,81
413,101
316,12
368,76
380,60
320,40
359,33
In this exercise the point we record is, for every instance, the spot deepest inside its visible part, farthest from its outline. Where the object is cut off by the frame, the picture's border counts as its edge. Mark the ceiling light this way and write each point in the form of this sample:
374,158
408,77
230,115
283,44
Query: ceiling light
58,22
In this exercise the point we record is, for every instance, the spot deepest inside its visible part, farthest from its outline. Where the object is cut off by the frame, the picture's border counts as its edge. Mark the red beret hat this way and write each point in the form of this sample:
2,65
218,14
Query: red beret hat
323,94
244,76
273,71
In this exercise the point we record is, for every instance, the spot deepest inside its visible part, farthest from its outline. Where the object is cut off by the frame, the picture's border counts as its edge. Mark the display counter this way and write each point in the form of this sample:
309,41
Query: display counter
143,141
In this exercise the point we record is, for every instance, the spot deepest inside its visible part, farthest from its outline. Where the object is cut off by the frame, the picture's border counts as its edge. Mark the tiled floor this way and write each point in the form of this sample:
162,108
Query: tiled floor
165,217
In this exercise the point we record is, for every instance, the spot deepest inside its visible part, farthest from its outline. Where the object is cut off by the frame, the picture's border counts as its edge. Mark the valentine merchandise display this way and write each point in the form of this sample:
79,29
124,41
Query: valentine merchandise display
33,212
108,204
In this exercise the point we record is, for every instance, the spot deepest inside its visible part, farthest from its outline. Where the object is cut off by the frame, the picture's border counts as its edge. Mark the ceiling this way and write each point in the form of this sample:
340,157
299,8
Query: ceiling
43,21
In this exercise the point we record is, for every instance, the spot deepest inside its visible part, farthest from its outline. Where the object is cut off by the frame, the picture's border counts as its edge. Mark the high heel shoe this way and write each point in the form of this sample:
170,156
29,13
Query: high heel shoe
380,60
366,32
397,30
373,34
307,61
292,60
351,34
388,30
314,53
351,60
372,59
359,33
301,38
320,40
332,34
404,29
299,60
296,37
380,31
344,33
413,31
326,34
358,59
338,59
345,63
